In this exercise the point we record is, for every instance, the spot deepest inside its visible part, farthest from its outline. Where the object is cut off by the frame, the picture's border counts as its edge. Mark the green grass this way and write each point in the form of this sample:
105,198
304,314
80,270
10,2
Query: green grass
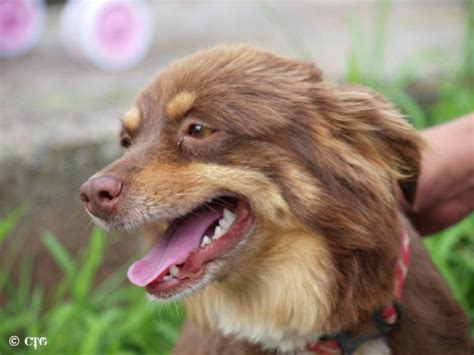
82,317
113,317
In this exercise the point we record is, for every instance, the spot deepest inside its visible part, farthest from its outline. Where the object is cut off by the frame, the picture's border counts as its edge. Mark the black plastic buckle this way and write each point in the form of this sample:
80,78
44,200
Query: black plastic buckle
350,342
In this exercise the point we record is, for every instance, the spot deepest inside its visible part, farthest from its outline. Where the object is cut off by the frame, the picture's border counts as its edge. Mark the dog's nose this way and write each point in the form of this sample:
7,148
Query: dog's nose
101,195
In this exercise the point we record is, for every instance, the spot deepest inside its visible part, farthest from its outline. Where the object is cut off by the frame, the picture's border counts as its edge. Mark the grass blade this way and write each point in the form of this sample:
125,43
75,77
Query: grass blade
60,255
92,262
9,222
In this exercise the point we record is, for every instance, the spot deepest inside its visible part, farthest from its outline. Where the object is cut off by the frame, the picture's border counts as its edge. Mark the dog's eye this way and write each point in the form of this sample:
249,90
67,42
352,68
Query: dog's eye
125,142
197,130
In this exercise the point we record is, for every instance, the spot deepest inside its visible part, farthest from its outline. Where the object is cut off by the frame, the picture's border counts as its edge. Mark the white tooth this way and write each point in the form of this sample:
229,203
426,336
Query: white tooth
229,215
205,241
167,278
218,232
174,270
225,223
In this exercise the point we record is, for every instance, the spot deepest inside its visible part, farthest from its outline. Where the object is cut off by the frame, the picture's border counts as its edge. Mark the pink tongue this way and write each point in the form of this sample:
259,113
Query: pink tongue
173,248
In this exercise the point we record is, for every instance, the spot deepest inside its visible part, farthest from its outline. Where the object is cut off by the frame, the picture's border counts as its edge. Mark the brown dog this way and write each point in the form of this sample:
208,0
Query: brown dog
275,192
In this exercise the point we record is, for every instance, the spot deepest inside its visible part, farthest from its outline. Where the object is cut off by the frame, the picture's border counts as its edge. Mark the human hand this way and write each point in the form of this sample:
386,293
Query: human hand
446,184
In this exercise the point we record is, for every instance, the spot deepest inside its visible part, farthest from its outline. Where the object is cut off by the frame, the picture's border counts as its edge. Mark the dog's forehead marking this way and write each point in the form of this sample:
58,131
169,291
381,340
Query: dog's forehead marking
180,104
131,119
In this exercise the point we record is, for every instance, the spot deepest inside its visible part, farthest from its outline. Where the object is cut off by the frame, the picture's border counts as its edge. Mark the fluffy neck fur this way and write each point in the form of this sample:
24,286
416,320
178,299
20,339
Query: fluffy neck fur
281,301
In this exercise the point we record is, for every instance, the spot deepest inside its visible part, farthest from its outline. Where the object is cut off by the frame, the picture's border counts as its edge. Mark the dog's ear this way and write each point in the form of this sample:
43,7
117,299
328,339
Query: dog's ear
404,149
362,120
399,145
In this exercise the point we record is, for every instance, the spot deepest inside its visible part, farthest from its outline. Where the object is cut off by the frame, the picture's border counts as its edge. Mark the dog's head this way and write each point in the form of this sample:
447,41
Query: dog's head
235,152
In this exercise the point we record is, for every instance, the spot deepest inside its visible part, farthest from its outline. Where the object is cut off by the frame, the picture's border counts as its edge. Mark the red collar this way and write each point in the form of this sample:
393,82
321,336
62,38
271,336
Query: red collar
384,320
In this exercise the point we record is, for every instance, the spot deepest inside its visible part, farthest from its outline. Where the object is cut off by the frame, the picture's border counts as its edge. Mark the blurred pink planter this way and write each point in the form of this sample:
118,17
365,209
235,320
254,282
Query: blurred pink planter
21,25
113,34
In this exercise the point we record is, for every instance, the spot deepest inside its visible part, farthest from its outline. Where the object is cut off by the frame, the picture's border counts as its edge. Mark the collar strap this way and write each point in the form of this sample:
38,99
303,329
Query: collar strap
345,343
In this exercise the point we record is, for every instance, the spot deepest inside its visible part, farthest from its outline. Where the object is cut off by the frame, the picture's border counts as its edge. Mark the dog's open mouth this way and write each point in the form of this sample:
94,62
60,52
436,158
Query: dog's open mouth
190,242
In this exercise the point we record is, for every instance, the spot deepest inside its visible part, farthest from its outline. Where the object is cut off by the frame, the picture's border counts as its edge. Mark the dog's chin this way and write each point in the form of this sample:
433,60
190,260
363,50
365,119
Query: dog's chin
173,291
194,249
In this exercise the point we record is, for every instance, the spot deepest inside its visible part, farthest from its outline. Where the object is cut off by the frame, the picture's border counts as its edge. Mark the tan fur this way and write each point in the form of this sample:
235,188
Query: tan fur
180,104
264,196
131,120
316,161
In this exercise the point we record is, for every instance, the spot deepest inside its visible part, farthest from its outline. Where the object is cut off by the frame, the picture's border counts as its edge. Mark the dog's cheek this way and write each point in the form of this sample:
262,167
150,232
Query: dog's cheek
182,187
